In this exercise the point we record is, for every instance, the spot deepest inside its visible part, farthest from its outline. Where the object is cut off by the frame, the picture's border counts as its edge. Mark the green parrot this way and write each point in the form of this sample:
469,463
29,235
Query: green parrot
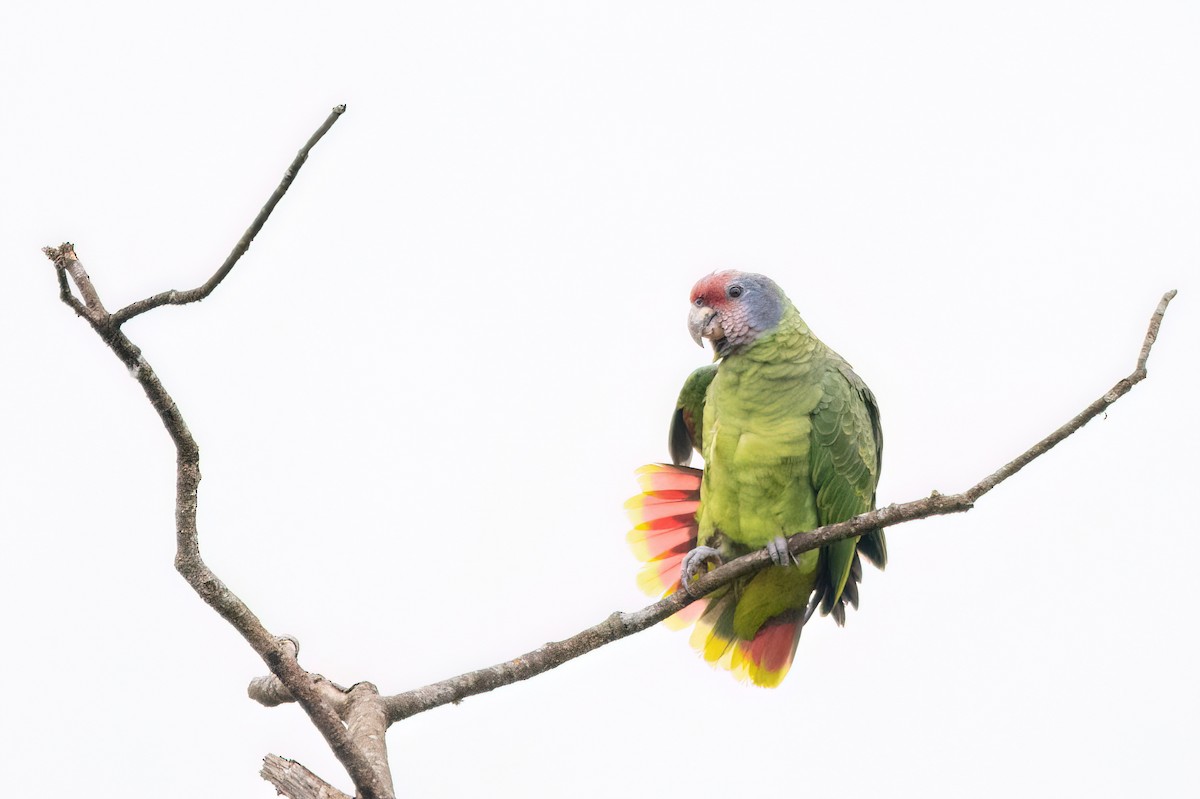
791,440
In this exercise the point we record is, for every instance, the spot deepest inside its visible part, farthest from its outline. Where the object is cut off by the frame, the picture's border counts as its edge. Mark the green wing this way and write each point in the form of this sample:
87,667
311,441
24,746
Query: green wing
846,456
688,420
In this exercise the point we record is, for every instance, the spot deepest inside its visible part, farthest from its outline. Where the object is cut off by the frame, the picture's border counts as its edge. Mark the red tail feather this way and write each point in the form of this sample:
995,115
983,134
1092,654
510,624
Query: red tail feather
664,518
766,659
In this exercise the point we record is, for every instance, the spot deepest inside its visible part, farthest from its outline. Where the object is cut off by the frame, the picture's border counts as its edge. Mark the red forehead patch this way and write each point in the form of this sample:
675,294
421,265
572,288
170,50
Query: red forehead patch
711,289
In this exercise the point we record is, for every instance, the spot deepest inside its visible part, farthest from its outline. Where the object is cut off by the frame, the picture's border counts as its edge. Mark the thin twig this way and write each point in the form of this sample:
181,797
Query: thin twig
174,297
1083,417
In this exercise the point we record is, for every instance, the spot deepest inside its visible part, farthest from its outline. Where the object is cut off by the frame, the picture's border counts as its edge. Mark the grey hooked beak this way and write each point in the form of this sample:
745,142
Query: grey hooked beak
704,323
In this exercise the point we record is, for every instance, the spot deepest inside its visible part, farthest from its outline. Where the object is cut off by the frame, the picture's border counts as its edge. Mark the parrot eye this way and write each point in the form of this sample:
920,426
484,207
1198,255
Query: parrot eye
699,301
735,291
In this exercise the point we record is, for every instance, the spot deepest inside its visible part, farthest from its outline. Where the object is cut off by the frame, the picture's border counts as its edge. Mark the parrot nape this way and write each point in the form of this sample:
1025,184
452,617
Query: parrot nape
791,441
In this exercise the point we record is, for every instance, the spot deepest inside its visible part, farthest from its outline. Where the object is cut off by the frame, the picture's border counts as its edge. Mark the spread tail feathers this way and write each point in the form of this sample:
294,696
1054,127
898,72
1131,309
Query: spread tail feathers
664,519
664,531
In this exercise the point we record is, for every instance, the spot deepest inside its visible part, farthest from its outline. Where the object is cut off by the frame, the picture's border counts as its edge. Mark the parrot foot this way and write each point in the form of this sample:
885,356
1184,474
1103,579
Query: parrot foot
777,548
696,562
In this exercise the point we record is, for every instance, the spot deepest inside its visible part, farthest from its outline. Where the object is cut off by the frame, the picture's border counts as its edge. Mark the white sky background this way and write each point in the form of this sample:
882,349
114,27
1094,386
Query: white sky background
421,396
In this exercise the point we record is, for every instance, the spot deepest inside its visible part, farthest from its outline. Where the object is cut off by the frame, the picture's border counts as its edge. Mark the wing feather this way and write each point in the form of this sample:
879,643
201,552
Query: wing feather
846,457
688,420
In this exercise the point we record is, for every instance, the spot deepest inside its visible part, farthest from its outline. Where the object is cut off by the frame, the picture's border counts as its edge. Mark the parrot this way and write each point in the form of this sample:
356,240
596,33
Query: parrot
791,440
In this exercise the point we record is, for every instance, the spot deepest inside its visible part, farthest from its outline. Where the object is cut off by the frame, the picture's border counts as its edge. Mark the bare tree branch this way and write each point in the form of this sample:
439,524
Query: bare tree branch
278,653
619,625
295,781
174,297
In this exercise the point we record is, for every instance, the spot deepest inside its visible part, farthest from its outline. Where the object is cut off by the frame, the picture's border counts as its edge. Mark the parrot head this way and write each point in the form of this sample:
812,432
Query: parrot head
732,309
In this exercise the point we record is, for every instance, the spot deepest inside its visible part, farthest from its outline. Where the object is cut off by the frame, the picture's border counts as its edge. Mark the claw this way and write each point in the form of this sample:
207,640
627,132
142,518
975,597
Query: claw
696,563
777,548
